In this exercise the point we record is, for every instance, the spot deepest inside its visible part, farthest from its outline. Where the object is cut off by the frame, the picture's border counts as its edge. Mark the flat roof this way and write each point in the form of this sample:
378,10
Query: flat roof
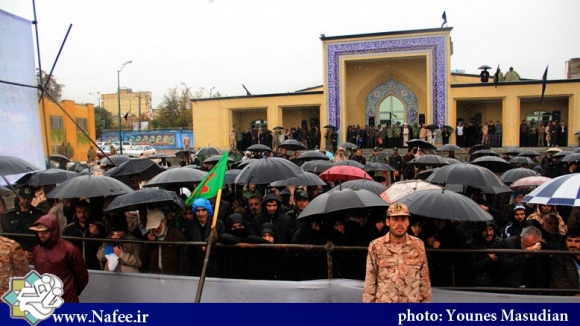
413,31
299,93
520,82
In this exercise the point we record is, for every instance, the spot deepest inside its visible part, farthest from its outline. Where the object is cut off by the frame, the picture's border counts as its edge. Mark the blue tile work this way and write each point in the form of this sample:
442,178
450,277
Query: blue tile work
434,44
379,93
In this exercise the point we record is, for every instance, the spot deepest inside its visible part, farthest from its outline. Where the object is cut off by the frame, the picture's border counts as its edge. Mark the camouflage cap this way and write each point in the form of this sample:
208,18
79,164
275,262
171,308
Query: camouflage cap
300,193
398,210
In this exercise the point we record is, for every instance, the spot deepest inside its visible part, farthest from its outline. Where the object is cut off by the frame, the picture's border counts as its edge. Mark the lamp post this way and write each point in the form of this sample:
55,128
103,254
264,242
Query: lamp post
97,97
119,103
211,89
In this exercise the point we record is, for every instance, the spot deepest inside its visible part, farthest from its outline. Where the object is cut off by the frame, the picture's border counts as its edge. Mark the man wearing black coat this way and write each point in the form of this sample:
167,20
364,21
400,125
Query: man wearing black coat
564,269
481,267
271,213
521,270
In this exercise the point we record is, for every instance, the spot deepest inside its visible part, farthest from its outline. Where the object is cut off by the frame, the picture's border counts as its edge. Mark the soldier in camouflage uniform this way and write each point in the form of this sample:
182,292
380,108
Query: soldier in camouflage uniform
397,268
13,262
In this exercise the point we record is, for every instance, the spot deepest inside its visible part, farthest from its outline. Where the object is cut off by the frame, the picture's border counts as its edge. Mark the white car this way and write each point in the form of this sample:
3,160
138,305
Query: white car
139,151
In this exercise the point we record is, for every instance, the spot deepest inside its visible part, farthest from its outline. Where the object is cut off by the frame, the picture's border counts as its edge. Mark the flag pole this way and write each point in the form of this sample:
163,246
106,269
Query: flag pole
210,242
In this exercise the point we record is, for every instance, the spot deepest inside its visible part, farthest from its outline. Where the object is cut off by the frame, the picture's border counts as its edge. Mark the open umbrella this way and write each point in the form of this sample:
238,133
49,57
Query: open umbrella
14,165
529,153
209,150
344,173
574,157
403,188
180,176
304,179
231,176
243,163
528,184
449,148
446,205
59,158
150,198
520,160
451,129
482,152
452,160
350,163
483,67
347,145
278,128
46,177
563,190
420,143
370,185
431,160
423,175
79,167
476,148
89,186
329,127
292,144
184,153
378,166
259,148
114,160
514,175
576,150
268,170
216,158
342,200
562,153
494,163
160,155
512,151
458,177
146,169
317,166
312,156
432,127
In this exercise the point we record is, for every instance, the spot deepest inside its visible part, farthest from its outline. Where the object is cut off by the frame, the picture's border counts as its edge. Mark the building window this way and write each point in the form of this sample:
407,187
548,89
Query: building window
56,122
539,116
259,124
82,122
391,111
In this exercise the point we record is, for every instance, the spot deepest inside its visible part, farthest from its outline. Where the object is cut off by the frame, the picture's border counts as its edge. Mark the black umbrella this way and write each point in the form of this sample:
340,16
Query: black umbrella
79,167
184,153
329,127
432,127
304,179
576,150
482,152
160,155
431,160
114,160
378,166
521,160
46,177
343,200
458,177
449,148
494,163
216,158
562,154
231,176
350,163
574,157
243,163
313,156
451,129
483,67
529,153
59,158
278,128
477,148
268,170
259,148
89,186
514,175
370,185
317,166
146,169
149,198
348,145
292,144
14,165
445,205
209,150
423,175
451,160
512,151
181,177
420,143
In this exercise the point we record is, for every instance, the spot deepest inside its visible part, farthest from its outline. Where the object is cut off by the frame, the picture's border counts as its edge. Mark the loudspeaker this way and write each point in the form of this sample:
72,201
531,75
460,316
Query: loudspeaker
304,125
556,115
545,117
372,121
421,119
478,118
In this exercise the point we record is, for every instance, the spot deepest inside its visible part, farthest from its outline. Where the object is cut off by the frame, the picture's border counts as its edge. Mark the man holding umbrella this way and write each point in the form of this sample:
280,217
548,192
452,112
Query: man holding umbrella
397,269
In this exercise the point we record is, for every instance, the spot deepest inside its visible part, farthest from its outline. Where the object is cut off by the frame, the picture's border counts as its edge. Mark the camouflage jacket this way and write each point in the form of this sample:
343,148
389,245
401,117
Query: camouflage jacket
397,272
12,262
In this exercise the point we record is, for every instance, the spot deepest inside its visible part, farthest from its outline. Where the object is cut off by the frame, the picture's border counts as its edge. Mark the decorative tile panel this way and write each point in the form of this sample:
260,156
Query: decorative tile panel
391,86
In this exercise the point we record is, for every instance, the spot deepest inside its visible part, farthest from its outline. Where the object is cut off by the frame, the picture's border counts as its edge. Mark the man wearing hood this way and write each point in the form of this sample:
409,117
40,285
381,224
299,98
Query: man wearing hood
271,213
59,257
481,267
518,222
542,210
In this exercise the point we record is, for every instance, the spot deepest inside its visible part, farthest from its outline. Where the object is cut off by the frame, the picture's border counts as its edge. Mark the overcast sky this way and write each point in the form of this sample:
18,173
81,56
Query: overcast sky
273,46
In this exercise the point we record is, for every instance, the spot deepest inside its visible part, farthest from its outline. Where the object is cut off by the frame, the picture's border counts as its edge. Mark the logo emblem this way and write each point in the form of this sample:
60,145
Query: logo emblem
34,297
398,208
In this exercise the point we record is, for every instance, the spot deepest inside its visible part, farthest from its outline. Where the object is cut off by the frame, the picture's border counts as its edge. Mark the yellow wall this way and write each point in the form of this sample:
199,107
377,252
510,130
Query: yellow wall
79,142
213,119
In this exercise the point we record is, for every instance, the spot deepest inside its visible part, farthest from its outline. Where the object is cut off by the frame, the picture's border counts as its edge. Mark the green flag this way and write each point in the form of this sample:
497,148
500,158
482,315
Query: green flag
212,182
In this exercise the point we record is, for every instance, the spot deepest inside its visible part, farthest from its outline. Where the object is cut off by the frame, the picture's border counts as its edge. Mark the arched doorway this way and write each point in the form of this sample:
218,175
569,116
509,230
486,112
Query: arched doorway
389,99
